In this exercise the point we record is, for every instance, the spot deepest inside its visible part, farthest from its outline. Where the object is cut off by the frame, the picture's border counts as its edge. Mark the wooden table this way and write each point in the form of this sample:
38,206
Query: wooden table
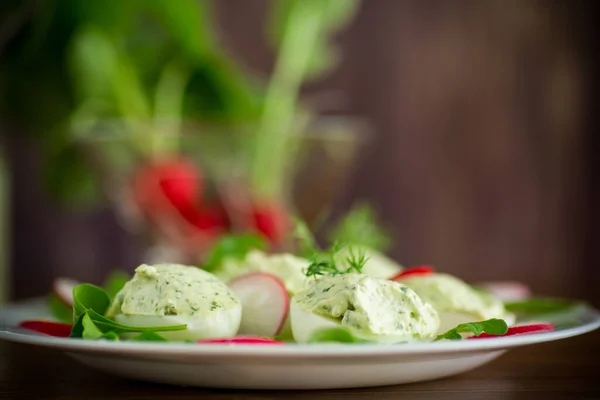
567,369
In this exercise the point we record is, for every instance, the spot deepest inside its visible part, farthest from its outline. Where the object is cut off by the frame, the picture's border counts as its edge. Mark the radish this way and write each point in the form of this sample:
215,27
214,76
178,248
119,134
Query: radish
271,220
63,288
508,291
242,340
55,329
520,330
160,185
265,303
421,270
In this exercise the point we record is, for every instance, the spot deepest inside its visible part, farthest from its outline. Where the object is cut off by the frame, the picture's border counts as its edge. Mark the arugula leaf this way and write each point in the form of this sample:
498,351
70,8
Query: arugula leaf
149,337
234,246
115,282
59,310
111,336
77,330
492,326
339,335
107,325
88,297
92,301
539,305
359,227
90,330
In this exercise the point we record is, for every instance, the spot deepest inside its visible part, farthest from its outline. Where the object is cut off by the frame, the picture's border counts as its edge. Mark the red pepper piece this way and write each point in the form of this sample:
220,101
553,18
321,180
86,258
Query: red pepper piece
519,330
420,270
56,329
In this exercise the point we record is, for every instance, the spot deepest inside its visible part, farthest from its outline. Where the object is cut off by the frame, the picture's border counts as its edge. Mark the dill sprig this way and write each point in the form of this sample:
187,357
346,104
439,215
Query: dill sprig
324,263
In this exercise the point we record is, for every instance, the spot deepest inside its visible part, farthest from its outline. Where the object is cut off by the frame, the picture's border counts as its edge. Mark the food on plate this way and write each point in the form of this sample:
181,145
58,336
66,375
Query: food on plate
455,301
246,294
172,294
373,309
378,265
265,304
287,267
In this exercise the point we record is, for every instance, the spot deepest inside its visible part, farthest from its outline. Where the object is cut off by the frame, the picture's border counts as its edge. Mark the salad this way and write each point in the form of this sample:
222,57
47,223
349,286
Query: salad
280,299
242,294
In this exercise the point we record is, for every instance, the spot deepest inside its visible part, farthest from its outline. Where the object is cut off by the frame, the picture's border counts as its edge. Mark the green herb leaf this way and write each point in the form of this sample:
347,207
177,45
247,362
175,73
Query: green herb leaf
88,297
115,282
90,330
77,330
107,325
324,263
93,301
357,261
232,246
491,326
111,336
59,310
149,337
359,227
339,335
539,306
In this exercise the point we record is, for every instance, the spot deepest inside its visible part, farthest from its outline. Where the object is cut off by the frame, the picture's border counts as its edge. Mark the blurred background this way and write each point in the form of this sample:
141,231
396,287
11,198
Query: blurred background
467,125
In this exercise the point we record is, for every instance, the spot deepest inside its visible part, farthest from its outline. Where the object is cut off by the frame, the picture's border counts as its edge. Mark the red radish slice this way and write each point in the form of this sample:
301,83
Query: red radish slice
420,270
63,288
519,330
55,329
265,303
508,291
242,340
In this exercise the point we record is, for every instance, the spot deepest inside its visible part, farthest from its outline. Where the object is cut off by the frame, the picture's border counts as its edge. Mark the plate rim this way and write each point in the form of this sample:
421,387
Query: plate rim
294,350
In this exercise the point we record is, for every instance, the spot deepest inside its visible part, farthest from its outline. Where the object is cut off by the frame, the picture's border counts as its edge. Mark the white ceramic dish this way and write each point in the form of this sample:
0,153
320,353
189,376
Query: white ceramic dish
314,366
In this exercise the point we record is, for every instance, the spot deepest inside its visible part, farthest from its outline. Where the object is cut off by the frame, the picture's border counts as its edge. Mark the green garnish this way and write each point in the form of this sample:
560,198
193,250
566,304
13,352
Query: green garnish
115,282
232,246
360,228
338,335
90,330
539,305
90,304
60,310
492,326
324,263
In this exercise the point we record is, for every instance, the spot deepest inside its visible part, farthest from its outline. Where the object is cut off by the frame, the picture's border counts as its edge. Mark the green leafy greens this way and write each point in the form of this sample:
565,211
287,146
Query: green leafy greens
491,326
90,304
539,306
325,263
60,310
232,246
115,282
339,335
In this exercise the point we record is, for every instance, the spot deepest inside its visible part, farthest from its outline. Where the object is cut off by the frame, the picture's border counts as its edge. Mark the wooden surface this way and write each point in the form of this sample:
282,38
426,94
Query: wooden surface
567,369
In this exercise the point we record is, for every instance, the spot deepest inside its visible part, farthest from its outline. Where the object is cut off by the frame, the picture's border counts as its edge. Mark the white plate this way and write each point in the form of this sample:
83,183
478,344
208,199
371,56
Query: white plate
313,366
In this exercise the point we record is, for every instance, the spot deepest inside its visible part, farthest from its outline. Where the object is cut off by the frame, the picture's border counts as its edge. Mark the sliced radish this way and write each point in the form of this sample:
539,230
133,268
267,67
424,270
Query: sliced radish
420,270
242,340
508,291
63,288
56,329
265,303
519,330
